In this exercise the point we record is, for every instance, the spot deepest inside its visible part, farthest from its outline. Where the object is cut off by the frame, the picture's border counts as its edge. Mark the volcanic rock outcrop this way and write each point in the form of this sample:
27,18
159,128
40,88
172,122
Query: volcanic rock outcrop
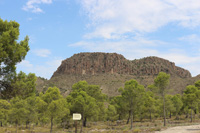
111,70
112,63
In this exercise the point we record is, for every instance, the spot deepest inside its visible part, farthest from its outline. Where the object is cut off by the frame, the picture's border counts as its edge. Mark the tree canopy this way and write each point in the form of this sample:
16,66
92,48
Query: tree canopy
12,51
161,82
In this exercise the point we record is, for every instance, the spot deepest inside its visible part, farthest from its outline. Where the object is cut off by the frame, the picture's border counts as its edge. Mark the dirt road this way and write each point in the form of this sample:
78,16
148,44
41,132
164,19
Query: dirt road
182,129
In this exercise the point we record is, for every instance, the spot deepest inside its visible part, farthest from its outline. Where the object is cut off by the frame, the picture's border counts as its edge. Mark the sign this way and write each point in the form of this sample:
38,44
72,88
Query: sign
76,116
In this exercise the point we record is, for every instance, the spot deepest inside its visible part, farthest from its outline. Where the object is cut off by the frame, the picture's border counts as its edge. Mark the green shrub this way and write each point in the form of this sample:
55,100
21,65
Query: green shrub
155,129
137,130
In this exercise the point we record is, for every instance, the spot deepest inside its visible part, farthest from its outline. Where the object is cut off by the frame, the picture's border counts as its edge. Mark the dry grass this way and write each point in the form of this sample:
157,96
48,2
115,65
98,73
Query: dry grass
106,127
110,83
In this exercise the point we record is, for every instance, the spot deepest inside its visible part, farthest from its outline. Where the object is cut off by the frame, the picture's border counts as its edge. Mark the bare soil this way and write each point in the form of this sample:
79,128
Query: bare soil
182,129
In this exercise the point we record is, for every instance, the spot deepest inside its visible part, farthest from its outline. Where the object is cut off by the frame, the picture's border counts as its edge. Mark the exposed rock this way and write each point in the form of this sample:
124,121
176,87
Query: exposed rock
112,63
110,71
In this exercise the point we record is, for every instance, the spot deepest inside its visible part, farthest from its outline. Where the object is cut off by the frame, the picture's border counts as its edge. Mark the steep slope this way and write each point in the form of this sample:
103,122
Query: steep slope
112,63
111,70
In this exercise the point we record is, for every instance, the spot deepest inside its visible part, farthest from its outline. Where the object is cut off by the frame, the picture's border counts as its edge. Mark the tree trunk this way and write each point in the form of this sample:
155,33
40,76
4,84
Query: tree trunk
141,117
119,117
1,124
164,114
61,124
68,124
26,124
176,115
186,116
51,124
170,116
64,124
129,113
191,114
150,116
29,126
84,122
16,126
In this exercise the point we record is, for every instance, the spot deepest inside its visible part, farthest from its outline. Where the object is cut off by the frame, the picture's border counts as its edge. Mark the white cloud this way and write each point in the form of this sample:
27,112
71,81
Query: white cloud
141,47
54,63
193,38
122,24
180,59
138,47
44,70
185,61
42,52
33,5
111,19
25,63
193,68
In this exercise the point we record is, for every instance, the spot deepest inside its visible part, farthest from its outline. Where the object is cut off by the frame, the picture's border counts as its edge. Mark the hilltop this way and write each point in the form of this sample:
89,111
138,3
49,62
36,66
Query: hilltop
111,70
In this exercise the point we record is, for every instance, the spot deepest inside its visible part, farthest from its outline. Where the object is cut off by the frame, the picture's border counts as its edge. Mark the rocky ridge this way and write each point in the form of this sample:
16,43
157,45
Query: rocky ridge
113,63
111,70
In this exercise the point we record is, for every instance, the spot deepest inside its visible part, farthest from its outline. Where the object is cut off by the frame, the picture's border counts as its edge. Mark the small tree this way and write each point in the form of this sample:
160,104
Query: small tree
23,85
32,115
41,108
64,116
55,103
84,104
55,109
161,82
178,104
132,94
169,105
197,84
120,105
4,109
18,111
191,97
150,104
93,91
111,113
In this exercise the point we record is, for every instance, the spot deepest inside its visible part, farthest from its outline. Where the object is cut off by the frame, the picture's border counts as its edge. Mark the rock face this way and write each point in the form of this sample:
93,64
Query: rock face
113,63
154,65
110,71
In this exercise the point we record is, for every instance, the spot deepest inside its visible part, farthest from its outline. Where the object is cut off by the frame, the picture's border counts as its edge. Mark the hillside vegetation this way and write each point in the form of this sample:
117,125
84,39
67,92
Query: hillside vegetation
111,70
111,93
30,110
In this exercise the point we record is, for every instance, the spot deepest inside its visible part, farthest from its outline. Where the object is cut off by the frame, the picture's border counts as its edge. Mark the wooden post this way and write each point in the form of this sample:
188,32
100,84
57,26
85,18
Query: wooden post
76,117
75,122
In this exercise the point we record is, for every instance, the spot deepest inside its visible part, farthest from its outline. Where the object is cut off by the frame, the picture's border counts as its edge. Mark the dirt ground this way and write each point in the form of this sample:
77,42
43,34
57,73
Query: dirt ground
182,129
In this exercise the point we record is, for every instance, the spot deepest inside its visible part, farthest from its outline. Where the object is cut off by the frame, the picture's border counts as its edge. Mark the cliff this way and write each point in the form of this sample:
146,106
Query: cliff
111,70
112,63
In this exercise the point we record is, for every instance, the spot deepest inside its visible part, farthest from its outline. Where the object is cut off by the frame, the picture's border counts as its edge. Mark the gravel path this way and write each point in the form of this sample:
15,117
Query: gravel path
182,129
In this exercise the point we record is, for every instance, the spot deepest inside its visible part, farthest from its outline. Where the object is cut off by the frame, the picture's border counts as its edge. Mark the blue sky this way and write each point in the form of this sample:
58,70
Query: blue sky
58,29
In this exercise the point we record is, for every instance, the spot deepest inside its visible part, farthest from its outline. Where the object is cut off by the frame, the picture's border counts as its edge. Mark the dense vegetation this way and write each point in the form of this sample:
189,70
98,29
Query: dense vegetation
135,103
21,104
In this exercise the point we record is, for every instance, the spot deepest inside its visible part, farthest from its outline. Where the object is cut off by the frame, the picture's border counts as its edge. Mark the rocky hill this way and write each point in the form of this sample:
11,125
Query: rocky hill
112,63
111,70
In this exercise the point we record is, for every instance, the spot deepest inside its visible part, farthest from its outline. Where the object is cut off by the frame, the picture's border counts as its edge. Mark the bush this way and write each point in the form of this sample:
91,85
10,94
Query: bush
155,129
137,130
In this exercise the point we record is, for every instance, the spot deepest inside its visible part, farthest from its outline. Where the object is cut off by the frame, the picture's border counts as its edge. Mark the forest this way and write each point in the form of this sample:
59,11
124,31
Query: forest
22,107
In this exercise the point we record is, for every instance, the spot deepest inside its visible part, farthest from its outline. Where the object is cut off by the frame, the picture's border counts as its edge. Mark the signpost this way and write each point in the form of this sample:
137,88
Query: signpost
76,117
